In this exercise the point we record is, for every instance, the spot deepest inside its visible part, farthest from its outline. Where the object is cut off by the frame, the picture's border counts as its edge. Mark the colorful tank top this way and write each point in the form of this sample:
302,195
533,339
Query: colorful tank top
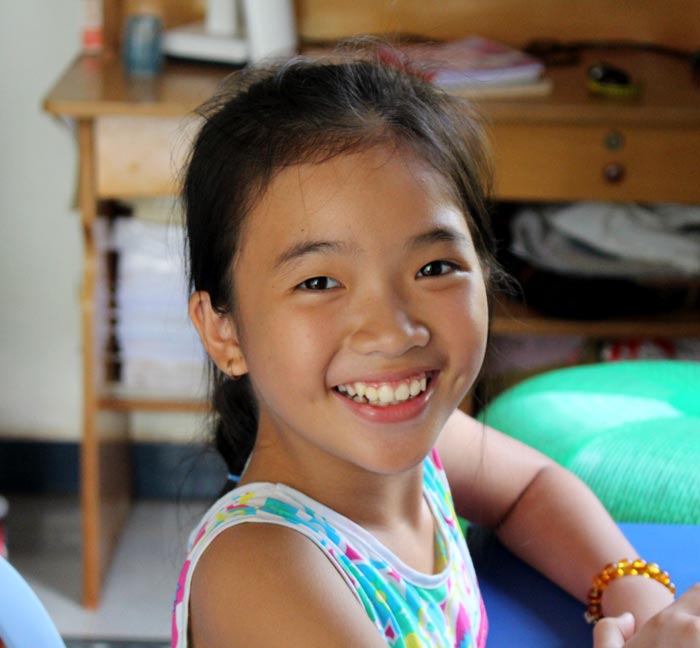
410,609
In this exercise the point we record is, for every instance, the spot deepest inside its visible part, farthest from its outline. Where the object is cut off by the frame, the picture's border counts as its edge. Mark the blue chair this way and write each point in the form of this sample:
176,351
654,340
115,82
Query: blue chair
24,622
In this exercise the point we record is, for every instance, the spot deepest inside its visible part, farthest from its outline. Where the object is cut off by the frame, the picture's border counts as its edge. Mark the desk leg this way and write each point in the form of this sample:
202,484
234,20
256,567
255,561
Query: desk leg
105,469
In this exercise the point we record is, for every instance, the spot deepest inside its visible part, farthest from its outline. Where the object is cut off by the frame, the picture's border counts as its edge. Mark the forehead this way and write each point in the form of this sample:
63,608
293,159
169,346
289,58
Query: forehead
378,194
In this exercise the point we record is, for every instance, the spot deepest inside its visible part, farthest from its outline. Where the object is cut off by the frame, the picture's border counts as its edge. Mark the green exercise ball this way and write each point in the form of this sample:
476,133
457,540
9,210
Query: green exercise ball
630,430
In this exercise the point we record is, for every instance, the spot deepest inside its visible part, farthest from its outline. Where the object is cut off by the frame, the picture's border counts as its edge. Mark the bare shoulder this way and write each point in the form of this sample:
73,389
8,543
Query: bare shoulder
267,585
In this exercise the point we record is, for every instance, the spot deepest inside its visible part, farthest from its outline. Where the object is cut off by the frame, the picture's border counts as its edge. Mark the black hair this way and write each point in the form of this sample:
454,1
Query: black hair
265,119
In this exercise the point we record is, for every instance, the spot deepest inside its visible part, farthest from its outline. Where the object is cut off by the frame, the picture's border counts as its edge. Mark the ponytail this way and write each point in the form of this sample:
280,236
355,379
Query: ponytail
235,415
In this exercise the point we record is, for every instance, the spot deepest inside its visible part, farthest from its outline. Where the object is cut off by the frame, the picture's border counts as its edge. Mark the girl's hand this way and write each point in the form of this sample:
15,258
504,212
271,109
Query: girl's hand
676,626
613,632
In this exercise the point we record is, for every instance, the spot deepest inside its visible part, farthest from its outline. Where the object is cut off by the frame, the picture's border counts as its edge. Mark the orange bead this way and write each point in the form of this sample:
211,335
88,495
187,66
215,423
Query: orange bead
619,569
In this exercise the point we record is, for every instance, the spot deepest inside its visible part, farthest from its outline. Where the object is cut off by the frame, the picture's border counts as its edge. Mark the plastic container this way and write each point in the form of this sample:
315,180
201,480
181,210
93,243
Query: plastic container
143,45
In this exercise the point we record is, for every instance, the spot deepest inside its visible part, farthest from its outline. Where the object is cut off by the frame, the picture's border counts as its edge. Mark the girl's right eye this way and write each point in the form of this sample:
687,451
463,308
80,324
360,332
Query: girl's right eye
318,283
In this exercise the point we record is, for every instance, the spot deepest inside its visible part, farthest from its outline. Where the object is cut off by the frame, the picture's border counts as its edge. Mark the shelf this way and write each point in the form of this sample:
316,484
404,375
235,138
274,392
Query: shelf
512,318
95,86
120,404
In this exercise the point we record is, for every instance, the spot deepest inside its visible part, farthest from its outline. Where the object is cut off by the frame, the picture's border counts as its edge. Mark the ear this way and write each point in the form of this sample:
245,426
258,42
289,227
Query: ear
218,334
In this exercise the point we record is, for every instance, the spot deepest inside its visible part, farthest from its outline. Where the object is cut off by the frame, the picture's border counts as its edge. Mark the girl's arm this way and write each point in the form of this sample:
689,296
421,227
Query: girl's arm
265,585
543,514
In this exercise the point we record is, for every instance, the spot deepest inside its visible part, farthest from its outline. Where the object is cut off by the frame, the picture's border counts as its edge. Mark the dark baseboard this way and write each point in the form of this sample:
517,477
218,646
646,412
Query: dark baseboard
158,470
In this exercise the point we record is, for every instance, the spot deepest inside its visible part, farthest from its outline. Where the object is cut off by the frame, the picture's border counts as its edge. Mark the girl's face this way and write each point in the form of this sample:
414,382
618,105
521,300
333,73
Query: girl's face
360,312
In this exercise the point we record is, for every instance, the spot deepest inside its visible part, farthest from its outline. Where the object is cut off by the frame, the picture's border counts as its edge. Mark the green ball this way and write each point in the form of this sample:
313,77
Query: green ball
630,430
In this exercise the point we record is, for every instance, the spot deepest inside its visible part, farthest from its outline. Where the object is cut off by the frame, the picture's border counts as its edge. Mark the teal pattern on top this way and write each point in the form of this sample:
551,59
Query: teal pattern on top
410,609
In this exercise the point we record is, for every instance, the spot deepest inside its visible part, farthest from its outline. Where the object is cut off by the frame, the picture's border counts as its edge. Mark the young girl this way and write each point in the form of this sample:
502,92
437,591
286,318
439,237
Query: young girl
341,263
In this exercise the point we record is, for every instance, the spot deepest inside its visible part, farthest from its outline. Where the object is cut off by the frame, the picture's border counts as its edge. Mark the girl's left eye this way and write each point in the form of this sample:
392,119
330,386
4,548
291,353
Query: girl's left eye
318,283
437,269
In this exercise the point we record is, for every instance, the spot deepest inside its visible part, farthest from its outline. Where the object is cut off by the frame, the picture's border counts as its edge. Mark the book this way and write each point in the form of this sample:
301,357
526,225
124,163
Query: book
537,88
472,62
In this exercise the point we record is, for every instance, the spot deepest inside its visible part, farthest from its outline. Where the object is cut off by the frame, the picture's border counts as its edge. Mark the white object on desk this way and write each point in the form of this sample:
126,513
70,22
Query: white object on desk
237,31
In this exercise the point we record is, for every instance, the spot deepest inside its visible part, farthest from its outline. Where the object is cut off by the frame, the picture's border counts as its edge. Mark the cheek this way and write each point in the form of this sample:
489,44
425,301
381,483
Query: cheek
467,321
284,346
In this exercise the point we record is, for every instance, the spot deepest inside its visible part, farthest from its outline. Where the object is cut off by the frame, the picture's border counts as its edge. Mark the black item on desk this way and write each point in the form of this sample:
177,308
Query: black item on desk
609,74
609,80
555,53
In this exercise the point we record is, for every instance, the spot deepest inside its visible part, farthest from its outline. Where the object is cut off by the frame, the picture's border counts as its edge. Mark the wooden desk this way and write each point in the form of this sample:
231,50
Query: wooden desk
133,135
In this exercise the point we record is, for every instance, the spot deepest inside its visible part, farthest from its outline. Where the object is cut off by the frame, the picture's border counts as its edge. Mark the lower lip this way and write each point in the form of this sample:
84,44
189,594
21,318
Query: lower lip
398,413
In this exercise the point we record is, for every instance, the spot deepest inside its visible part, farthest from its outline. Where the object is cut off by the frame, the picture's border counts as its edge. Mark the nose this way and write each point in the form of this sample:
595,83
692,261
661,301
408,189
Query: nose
385,326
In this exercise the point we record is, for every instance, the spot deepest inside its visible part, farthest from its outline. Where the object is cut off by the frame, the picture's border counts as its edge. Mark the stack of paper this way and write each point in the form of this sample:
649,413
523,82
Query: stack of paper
160,352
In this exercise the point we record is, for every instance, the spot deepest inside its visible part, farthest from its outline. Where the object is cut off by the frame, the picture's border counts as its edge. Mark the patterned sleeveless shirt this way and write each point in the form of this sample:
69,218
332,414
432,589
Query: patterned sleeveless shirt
410,609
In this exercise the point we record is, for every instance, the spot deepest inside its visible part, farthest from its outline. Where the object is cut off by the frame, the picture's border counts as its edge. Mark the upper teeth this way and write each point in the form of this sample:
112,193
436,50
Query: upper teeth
385,393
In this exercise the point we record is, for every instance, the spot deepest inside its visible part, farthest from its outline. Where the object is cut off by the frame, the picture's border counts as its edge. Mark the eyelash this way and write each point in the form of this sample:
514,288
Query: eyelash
306,285
441,262
311,284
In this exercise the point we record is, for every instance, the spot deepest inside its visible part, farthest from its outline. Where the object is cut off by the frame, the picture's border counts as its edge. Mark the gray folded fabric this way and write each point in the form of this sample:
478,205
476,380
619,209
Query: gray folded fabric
610,240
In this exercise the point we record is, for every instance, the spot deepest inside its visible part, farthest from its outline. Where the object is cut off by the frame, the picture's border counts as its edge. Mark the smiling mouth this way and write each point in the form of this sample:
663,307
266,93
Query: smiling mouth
384,394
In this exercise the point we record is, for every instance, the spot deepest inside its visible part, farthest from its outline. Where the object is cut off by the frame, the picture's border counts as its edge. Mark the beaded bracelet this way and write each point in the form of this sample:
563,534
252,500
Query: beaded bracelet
616,570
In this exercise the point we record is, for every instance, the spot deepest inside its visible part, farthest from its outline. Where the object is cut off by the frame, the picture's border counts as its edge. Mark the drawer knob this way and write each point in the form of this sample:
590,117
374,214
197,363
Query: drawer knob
614,140
614,172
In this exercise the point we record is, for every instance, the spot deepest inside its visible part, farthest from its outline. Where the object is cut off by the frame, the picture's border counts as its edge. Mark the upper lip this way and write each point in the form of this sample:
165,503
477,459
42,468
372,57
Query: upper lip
389,376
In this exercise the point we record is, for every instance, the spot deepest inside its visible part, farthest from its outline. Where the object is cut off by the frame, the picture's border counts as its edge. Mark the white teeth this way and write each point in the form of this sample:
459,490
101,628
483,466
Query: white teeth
401,393
384,394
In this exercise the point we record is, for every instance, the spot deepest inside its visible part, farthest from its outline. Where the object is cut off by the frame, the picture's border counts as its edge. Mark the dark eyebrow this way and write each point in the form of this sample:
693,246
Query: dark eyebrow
438,235
304,248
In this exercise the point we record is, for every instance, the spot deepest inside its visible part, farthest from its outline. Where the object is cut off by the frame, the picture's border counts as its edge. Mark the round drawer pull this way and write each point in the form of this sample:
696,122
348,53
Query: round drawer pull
614,173
614,140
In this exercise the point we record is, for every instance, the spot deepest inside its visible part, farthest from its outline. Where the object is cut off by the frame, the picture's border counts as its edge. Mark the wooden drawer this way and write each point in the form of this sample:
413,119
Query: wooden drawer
140,156
143,156
566,162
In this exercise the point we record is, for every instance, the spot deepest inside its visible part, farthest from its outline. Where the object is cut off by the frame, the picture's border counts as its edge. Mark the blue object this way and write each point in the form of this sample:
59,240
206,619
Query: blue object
143,40
526,609
24,622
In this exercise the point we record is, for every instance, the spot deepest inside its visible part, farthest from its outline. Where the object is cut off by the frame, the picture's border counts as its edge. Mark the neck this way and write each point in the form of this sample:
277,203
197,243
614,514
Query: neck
389,506
370,499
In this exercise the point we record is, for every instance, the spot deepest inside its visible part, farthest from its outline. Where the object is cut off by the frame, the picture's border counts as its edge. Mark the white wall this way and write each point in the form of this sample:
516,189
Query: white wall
40,240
